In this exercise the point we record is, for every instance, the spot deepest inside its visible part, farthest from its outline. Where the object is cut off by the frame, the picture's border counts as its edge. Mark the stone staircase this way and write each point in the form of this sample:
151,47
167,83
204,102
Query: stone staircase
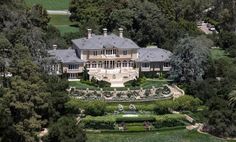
117,83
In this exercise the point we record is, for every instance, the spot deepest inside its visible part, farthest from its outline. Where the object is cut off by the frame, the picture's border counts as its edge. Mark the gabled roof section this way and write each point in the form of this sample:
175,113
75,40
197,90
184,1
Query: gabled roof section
153,55
101,41
65,55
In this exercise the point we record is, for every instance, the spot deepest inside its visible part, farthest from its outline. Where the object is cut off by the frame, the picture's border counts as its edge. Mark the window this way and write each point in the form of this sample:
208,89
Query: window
145,65
166,64
71,67
131,63
94,64
88,64
125,52
102,52
124,63
114,51
118,64
72,75
100,64
109,52
95,53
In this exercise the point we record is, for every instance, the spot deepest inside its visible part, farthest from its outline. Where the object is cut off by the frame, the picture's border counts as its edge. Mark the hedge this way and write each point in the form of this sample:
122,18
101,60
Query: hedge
94,108
109,121
99,122
182,103
139,107
169,120
136,119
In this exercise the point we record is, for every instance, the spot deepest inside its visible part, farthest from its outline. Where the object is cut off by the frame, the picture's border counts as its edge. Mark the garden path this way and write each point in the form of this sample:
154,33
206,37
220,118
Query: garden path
58,12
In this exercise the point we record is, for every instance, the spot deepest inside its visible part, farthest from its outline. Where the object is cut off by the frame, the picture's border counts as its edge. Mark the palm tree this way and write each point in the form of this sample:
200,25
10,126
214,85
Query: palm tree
232,98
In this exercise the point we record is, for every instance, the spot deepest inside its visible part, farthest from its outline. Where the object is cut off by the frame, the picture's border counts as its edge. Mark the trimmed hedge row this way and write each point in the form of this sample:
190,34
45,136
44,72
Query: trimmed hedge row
109,121
149,107
169,120
135,119
99,122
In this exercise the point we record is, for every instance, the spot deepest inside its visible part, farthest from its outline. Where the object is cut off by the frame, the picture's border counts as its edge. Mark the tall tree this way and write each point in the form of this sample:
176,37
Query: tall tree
191,59
66,129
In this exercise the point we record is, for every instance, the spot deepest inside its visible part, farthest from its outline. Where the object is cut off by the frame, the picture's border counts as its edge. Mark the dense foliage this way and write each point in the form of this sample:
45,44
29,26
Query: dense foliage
30,100
65,130
191,59
144,21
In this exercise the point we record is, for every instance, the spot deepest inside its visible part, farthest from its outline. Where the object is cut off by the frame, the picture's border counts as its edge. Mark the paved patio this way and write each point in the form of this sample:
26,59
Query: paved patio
117,77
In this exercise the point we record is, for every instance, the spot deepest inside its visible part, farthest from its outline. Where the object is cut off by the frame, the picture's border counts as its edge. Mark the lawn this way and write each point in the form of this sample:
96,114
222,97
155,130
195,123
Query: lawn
146,84
81,85
50,4
62,23
218,53
162,136
156,83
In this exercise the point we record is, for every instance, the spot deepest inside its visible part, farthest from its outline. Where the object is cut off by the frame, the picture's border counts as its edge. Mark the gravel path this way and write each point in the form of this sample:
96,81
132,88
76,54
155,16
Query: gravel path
58,12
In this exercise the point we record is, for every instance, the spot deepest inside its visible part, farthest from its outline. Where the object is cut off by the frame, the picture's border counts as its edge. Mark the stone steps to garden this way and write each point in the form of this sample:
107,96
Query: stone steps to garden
117,84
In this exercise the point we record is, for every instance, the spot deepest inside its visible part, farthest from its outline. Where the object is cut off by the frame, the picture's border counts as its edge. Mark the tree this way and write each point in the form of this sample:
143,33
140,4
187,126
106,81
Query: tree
85,74
232,98
66,129
191,59
39,16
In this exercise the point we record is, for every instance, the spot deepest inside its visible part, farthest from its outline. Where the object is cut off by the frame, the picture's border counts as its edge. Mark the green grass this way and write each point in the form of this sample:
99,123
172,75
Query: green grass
156,83
60,20
218,53
147,84
62,23
162,136
81,85
50,4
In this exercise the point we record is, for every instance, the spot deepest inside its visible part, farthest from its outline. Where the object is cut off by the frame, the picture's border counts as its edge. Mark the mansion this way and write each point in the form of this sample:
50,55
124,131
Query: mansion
112,58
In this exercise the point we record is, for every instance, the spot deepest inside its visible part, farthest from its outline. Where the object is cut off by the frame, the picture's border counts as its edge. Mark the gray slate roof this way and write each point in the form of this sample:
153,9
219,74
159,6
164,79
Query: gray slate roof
153,55
100,41
65,55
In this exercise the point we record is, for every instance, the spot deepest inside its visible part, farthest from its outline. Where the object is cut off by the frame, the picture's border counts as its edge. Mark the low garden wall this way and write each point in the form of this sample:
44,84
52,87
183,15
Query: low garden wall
124,95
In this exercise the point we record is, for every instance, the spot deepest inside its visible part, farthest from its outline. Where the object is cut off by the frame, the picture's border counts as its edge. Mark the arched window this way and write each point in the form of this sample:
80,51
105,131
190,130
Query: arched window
131,63
100,64
88,64
118,64
94,64
124,63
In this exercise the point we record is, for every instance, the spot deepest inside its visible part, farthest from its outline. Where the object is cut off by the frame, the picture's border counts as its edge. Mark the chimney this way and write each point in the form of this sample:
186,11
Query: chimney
89,33
121,32
105,32
54,47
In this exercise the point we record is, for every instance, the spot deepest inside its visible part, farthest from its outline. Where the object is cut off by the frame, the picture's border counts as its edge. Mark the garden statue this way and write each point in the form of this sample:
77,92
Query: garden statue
120,108
132,107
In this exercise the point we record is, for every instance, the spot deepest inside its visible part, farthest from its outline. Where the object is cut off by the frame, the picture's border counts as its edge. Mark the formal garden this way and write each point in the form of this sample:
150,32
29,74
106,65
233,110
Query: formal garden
103,116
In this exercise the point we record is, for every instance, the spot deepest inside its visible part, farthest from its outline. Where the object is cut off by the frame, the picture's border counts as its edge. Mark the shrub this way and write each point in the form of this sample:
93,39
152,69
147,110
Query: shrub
94,108
99,122
183,103
133,83
187,103
151,74
169,120
96,83
163,107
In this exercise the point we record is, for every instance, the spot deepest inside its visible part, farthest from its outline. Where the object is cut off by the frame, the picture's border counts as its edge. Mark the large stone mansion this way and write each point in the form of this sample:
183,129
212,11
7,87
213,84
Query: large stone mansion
109,57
